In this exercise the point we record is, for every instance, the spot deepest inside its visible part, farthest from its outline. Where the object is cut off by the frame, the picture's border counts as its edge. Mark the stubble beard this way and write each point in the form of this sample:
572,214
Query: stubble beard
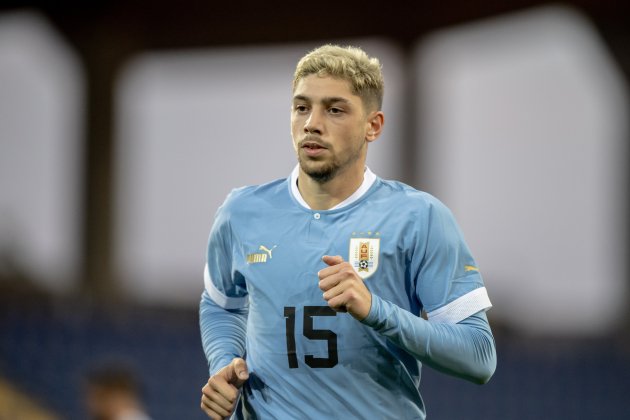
327,171
321,174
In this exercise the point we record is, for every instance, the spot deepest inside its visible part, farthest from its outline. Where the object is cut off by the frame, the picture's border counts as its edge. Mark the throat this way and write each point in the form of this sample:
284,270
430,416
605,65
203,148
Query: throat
325,194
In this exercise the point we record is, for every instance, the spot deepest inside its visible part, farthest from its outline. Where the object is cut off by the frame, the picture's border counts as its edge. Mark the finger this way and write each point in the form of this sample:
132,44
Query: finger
332,260
239,372
209,412
220,390
212,408
235,373
329,271
348,298
328,282
341,266
335,298
332,287
221,393
338,304
332,275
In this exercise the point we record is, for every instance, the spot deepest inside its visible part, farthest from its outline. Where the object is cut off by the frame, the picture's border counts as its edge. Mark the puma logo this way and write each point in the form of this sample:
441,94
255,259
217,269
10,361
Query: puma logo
267,250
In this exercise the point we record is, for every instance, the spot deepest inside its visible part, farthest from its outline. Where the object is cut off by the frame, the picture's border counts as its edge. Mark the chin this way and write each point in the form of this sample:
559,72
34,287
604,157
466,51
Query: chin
319,171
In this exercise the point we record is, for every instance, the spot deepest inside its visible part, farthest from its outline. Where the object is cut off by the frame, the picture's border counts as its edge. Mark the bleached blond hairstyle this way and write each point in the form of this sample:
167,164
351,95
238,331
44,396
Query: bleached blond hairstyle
347,63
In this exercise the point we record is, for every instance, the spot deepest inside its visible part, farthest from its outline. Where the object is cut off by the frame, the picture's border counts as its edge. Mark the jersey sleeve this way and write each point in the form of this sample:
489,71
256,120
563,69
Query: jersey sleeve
465,349
223,308
223,333
223,282
448,282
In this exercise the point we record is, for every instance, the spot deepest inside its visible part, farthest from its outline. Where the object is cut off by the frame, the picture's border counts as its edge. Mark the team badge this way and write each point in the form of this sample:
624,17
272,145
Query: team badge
363,255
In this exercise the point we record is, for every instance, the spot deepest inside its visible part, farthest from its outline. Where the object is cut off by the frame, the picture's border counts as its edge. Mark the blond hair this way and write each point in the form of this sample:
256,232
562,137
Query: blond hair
347,63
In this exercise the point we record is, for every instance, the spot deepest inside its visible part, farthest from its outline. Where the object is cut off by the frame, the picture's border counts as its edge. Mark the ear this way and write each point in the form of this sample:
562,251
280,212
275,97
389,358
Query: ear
375,122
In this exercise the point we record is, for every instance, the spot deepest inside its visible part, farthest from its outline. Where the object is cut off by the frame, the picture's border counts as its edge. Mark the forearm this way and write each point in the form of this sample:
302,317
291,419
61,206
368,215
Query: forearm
465,349
222,332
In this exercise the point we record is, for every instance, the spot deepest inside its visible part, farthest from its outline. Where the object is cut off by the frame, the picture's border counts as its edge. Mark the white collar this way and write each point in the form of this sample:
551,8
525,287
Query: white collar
368,180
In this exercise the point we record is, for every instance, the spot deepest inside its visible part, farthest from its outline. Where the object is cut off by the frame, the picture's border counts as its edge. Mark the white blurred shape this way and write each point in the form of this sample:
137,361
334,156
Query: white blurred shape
192,125
524,139
41,89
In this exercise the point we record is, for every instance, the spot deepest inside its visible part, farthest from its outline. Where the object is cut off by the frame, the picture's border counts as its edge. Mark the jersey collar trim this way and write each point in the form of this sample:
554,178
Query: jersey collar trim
368,180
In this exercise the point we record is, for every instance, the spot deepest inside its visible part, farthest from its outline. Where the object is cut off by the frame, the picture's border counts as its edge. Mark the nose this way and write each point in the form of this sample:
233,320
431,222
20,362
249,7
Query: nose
313,124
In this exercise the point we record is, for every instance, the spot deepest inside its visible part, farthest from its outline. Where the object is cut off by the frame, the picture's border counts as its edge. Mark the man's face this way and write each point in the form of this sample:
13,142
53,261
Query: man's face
329,126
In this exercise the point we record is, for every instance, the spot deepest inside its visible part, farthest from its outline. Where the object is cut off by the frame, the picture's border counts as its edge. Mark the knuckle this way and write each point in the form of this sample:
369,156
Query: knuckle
348,270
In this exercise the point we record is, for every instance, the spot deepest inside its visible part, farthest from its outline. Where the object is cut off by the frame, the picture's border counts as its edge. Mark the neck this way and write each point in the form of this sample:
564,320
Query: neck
324,196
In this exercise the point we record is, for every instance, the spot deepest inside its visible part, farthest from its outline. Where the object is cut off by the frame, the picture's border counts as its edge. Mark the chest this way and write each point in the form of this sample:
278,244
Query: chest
279,255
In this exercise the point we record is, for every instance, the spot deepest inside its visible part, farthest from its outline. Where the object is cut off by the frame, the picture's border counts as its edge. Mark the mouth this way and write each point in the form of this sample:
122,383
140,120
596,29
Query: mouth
312,147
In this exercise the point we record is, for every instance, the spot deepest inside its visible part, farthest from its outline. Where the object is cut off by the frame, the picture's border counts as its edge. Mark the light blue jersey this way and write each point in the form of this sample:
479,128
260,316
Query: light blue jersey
307,361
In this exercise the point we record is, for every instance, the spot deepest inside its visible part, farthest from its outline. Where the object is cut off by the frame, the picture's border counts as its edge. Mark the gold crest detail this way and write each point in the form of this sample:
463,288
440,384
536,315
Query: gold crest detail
256,258
364,255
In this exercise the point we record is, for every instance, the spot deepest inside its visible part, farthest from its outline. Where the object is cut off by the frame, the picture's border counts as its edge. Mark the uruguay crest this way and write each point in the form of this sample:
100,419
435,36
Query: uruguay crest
363,255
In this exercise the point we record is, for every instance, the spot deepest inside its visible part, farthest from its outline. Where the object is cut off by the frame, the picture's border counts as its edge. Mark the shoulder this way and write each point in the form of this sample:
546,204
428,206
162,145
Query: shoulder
243,200
408,198
246,203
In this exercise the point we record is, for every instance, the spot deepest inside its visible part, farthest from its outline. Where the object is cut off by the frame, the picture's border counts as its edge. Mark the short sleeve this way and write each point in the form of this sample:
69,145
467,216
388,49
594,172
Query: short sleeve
448,283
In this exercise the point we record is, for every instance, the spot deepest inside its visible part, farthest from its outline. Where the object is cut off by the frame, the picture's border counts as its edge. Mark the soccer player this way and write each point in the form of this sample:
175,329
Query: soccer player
315,284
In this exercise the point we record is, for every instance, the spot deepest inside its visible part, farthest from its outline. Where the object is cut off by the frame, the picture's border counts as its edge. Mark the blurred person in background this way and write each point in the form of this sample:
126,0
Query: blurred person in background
315,284
112,392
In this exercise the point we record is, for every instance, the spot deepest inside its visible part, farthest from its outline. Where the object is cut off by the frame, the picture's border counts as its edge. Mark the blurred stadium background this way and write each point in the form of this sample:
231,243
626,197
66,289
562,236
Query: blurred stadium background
123,125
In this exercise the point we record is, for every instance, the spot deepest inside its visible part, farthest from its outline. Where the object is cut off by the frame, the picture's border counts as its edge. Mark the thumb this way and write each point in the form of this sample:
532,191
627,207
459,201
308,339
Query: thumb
332,260
238,372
